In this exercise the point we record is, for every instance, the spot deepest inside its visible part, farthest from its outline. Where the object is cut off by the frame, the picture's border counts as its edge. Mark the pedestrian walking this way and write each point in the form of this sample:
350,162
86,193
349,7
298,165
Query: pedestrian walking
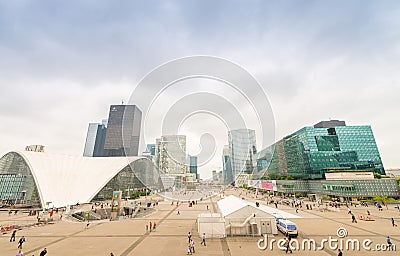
353,219
393,224
19,253
389,242
44,252
151,226
12,239
179,212
154,226
192,246
189,237
287,245
340,253
21,241
203,239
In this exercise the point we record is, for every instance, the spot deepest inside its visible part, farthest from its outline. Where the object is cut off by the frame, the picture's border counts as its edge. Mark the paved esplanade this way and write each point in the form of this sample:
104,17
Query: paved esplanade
129,237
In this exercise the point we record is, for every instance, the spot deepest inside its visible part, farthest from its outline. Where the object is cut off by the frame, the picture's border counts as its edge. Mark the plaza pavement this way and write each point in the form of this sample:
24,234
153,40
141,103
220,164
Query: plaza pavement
128,237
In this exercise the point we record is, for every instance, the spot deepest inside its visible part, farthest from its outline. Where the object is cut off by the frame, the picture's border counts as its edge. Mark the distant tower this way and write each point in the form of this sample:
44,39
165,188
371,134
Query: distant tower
170,155
193,165
94,145
242,147
123,131
227,166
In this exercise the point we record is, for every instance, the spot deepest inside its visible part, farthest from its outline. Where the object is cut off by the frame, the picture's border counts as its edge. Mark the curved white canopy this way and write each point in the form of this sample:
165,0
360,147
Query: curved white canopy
67,180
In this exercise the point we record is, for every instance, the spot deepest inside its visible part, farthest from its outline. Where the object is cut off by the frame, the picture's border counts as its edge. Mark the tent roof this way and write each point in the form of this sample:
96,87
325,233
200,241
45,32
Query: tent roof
65,180
231,204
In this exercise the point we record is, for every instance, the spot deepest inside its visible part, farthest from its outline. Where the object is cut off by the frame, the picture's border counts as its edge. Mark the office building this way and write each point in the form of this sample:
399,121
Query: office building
227,167
95,138
123,131
242,147
170,154
193,165
310,151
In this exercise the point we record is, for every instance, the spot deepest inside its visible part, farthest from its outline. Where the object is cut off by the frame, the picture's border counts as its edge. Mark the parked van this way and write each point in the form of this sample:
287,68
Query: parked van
287,227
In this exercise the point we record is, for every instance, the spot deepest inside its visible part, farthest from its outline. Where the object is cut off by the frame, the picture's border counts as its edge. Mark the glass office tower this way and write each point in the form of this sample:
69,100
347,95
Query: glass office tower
242,147
123,131
309,152
95,138
227,166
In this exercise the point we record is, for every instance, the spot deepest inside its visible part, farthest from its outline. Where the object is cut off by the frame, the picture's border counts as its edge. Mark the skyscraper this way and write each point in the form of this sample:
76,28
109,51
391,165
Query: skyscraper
227,166
123,131
242,147
170,155
94,145
193,165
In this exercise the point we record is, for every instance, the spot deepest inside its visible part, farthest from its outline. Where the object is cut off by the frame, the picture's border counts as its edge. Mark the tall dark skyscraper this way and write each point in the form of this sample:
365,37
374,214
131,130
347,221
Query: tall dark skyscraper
123,131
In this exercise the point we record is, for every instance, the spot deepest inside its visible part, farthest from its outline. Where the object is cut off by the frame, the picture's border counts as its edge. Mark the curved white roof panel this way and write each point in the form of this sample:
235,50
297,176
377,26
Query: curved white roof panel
67,180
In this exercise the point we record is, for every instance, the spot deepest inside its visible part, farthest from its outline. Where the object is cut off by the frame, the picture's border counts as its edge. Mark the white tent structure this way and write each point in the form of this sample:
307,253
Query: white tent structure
245,218
61,179
211,224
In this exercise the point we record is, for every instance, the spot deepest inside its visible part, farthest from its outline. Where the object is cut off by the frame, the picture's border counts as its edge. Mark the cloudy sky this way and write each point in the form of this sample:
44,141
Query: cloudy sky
62,63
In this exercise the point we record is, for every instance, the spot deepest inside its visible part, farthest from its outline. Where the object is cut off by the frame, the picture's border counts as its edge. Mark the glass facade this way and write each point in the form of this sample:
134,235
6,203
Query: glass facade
343,188
123,131
242,147
124,181
170,155
309,152
227,166
17,185
95,138
193,164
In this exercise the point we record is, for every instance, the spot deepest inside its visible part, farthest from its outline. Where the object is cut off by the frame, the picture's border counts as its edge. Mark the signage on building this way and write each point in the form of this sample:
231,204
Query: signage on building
263,184
349,176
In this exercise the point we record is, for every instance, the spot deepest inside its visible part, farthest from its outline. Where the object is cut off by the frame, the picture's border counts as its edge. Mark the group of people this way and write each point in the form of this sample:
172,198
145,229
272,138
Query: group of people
191,249
42,253
151,227
21,241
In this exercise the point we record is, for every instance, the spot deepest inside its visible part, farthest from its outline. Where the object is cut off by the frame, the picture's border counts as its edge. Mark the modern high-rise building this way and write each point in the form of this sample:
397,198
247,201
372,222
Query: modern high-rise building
123,131
242,147
214,176
170,154
193,165
227,166
309,152
94,145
